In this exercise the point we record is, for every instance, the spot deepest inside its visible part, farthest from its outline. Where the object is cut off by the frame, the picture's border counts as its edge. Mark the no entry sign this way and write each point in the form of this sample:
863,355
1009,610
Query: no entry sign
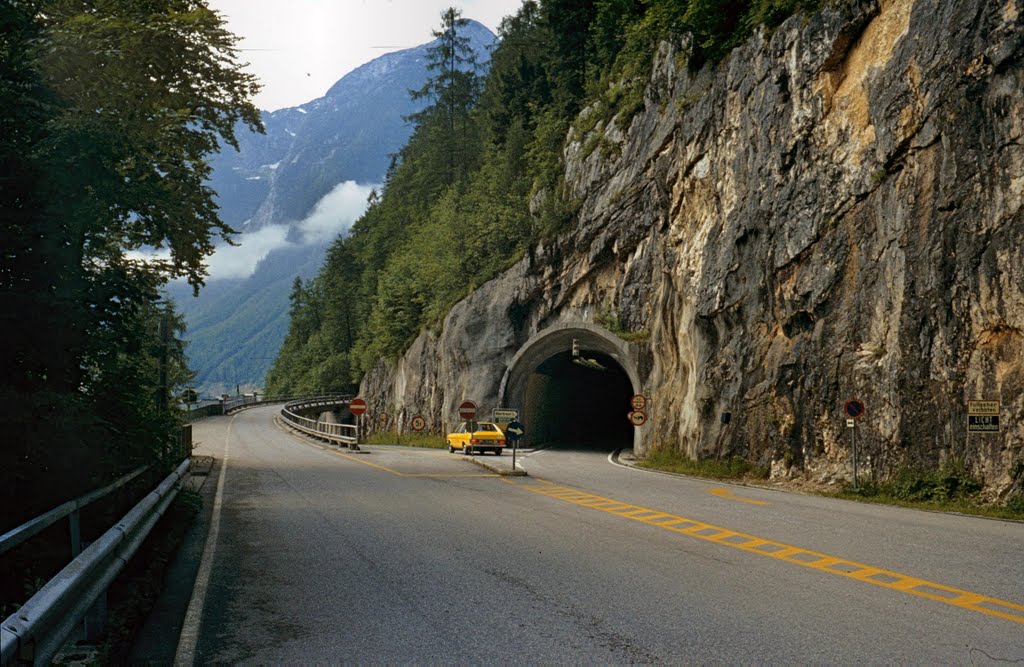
467,410
357,406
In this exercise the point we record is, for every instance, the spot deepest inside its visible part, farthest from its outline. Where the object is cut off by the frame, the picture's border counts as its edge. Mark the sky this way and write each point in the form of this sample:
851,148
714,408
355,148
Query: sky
300,48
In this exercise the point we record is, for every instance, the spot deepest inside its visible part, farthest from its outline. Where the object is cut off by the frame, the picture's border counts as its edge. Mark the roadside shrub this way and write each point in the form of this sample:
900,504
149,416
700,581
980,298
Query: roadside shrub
671,460
951,482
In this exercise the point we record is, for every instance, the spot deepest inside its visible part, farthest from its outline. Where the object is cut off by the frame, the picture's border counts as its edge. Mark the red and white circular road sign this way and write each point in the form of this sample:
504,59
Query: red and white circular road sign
467,410
418,423
639,402
638,418
357,406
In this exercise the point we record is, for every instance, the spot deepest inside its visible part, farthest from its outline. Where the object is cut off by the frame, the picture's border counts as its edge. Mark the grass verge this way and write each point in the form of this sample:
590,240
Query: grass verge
950,488
734,468
426,440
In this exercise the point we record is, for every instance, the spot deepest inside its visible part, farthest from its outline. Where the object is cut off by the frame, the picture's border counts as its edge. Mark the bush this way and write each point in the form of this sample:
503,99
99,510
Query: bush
734,467
951,482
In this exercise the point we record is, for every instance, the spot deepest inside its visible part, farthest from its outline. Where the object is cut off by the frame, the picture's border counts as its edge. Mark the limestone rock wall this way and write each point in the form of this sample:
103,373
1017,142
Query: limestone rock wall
833,211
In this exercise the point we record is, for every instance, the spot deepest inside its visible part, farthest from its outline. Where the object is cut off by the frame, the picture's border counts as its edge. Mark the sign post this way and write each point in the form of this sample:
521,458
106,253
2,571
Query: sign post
854,409
515,431
358,408
467,411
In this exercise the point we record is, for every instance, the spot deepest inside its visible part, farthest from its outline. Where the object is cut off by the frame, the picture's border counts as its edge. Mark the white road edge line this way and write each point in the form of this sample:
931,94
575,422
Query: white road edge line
186,651
614,455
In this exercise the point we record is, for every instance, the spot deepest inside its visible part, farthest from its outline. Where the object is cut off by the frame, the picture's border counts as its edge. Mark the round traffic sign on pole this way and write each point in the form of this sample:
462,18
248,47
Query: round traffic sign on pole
854,408
639,402
418,423
357,406
467,410
638,418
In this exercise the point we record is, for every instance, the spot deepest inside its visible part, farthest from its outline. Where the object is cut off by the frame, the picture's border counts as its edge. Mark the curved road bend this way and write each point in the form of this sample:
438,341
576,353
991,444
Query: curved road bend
406,555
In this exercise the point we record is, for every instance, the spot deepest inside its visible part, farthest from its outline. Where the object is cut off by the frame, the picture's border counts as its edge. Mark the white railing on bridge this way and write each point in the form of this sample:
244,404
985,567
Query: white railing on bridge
342,434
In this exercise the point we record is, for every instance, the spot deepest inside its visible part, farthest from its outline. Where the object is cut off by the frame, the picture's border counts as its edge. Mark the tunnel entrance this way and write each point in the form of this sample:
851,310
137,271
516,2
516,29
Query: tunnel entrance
580,401
579,405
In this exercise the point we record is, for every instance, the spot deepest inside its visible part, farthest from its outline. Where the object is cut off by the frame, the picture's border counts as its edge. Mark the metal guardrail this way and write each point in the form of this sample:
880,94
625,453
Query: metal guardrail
228,405
241,402
40,627
345,434
16,536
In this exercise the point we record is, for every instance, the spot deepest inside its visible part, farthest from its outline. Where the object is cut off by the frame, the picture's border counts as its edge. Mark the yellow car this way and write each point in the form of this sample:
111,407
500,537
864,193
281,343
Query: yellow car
474,436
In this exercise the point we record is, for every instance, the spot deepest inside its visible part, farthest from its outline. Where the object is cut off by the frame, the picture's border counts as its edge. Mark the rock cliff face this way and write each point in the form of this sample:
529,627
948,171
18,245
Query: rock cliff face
833,211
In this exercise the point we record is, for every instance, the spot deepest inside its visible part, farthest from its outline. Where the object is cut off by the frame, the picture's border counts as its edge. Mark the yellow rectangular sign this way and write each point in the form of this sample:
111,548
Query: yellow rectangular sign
983,408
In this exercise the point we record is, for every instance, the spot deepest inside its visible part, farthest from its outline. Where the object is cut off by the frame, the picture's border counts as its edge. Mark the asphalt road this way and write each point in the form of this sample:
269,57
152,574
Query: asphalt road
409,555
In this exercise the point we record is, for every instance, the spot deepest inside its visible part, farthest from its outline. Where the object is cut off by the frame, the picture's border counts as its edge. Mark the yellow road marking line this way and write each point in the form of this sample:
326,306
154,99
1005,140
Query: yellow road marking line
729,495
815,560
412,474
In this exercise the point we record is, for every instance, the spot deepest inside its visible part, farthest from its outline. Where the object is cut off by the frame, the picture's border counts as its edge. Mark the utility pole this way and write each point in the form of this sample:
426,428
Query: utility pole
164,332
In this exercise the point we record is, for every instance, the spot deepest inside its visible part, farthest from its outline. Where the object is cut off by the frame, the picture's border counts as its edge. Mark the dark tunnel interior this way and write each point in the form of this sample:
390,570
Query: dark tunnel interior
579,405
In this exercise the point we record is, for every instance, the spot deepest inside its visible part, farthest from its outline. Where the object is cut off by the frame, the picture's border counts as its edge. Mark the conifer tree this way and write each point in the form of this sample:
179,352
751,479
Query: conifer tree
452,91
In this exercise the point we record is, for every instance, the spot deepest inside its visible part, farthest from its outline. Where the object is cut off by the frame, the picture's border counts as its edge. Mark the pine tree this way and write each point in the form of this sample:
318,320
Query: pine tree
452,91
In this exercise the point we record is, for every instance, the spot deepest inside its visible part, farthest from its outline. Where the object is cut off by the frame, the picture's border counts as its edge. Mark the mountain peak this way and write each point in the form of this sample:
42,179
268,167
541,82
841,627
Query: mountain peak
481,40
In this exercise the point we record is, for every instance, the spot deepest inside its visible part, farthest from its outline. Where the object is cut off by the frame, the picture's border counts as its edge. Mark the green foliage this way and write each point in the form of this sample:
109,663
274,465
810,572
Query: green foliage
951,481
109,109
949,487
452,91
610,319
671,460
425,440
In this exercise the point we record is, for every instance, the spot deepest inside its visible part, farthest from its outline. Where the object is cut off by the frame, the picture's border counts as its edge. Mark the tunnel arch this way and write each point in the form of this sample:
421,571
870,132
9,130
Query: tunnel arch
560,401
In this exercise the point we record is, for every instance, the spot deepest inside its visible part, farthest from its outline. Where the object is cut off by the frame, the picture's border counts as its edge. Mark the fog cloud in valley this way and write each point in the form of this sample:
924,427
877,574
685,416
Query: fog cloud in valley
333,215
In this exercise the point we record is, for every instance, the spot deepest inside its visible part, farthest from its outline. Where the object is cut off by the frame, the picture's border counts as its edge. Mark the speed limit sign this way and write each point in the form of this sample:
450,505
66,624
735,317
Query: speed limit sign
418,423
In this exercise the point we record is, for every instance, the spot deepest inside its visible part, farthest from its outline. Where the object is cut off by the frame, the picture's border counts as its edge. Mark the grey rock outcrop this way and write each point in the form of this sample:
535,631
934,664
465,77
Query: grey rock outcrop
835,210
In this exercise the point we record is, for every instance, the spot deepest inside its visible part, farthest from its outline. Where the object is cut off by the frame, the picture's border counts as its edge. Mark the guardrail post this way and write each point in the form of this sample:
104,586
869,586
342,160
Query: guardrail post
75,525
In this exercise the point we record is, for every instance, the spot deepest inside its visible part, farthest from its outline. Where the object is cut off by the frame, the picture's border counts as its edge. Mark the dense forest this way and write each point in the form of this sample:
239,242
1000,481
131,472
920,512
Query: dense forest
482,176
109,110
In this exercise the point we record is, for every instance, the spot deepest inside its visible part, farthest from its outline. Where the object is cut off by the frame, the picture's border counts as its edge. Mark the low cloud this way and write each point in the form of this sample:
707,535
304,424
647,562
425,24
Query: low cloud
335,212
331,216
240,261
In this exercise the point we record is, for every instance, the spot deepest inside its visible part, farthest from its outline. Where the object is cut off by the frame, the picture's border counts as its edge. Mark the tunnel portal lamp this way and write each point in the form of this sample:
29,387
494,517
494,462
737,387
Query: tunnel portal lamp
592,364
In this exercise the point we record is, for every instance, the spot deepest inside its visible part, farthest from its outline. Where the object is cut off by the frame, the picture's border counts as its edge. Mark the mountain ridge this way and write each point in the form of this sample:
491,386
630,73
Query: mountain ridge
278,178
